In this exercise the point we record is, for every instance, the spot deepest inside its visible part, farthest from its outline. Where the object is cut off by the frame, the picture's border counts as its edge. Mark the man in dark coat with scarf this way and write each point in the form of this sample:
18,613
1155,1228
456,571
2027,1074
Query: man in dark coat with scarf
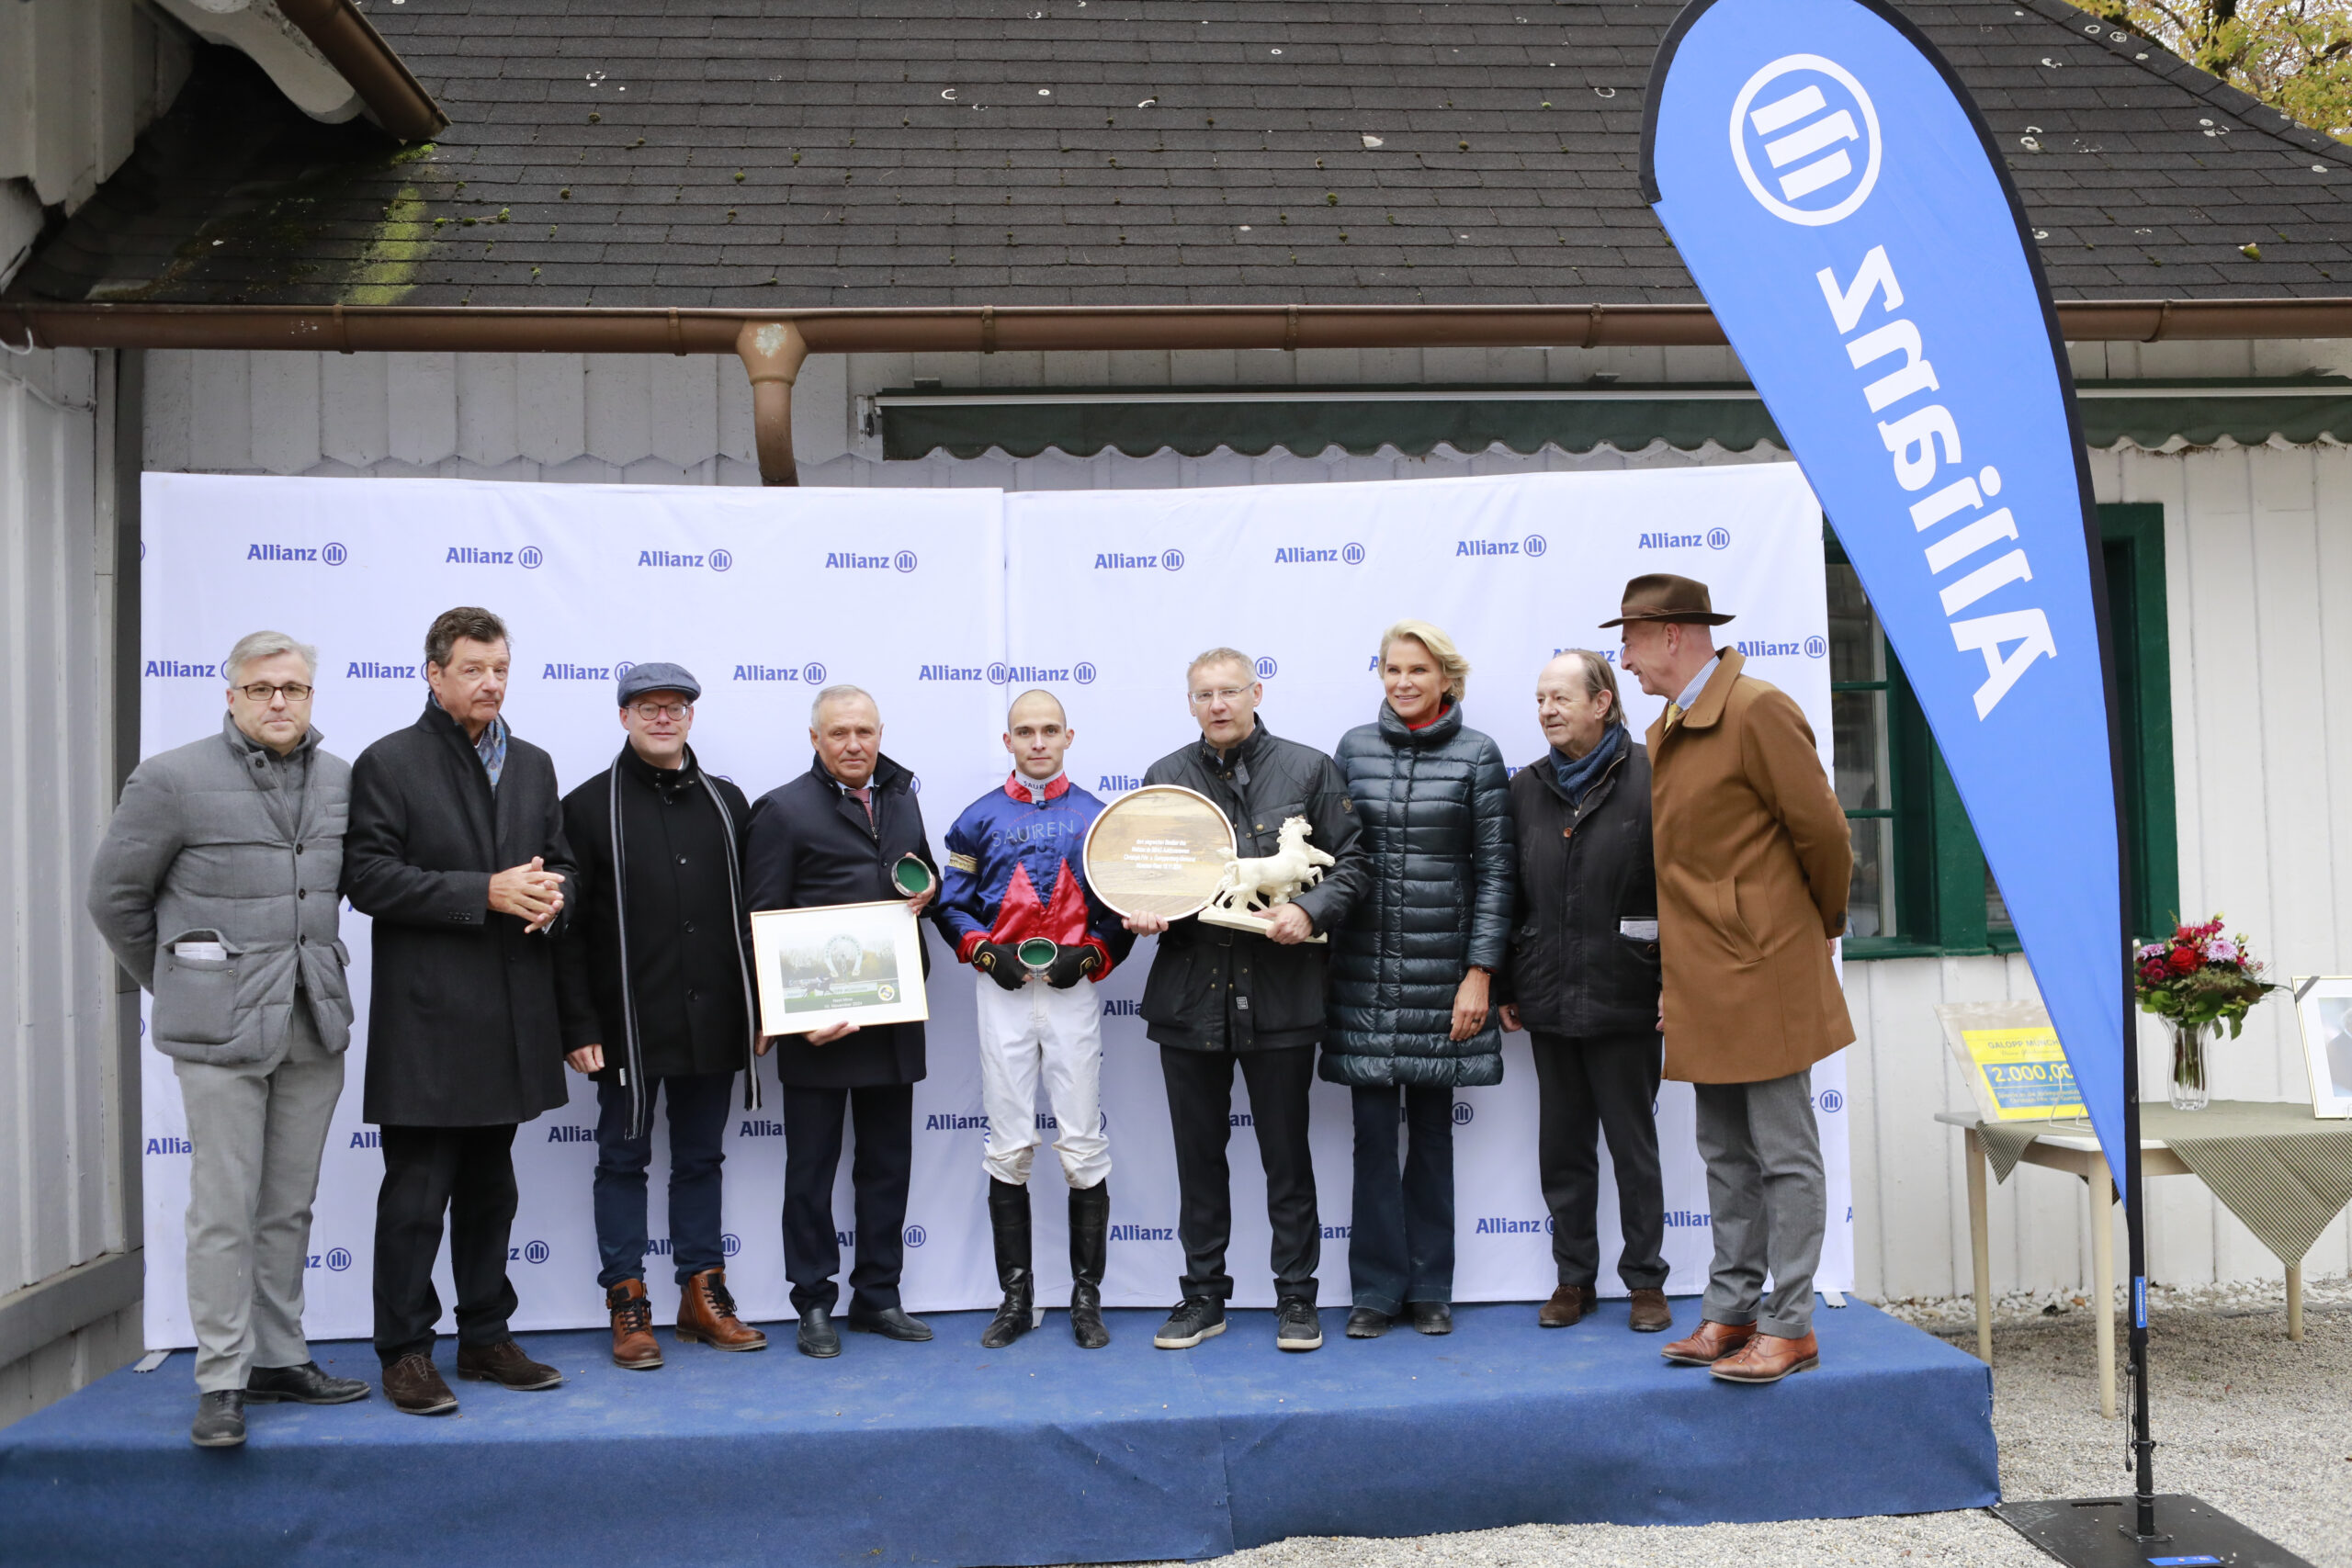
834,836
456,850
657,1002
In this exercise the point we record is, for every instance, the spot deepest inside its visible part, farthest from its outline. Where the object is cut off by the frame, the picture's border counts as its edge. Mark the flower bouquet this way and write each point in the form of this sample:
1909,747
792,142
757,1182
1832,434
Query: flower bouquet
2193,979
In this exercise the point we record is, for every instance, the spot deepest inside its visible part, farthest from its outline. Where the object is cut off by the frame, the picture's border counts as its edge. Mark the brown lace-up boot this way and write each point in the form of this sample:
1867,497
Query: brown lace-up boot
706,1313
634,1346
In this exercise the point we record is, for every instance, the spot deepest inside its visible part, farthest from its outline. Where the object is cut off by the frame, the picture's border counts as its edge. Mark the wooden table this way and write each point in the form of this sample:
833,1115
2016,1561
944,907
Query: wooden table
2078,1154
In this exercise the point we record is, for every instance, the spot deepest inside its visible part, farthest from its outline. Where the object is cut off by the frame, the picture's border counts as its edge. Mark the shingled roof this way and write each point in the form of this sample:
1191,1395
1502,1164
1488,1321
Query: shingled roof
884,152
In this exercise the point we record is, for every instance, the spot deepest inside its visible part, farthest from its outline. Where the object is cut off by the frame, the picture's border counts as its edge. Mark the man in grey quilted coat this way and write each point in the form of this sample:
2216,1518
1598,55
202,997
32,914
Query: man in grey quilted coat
216,889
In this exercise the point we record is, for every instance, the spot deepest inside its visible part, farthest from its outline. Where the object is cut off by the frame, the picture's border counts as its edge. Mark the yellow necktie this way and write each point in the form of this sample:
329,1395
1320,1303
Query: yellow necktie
1673,718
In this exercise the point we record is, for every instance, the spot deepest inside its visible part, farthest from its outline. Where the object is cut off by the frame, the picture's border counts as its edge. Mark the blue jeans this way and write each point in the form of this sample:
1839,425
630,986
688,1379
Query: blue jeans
1400,1248
698,1107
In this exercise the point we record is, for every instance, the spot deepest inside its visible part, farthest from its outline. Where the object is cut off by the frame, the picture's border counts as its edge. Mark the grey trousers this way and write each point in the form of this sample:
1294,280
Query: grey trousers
258,1131
1768,1200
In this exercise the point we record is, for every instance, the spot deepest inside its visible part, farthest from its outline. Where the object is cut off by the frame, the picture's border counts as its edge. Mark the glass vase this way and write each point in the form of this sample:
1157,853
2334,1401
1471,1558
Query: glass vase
2190,1090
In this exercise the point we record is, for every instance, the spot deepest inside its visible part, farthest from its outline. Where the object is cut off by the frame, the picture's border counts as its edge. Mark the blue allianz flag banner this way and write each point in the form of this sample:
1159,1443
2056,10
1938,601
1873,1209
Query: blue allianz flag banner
1843,209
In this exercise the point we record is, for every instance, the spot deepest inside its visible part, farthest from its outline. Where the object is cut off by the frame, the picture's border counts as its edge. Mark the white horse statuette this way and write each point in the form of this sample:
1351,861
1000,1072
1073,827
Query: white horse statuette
1254,884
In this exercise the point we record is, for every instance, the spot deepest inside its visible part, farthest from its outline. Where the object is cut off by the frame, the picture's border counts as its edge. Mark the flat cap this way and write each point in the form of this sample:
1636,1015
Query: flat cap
640,678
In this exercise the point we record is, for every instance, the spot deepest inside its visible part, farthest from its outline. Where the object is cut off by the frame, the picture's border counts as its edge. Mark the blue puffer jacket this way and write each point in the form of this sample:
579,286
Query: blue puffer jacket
1436,832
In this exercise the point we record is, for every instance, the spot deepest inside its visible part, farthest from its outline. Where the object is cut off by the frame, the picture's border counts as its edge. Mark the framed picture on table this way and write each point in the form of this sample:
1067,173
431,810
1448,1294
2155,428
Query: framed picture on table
857,963
2324,1008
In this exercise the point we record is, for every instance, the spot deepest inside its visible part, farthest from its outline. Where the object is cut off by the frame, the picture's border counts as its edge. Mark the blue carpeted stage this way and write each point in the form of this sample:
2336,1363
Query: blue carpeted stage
946,1453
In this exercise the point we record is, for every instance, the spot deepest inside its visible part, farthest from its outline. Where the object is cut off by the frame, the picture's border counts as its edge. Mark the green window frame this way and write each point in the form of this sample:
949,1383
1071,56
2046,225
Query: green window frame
1921,888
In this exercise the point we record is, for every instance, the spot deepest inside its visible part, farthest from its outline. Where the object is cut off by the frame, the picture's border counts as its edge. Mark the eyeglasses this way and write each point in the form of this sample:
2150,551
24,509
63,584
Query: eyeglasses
259,693
648,712
1222,693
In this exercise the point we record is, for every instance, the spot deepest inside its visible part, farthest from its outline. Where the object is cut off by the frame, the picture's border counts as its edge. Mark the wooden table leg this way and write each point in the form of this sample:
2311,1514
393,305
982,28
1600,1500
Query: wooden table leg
2295,1300
1980,1255
2101,1188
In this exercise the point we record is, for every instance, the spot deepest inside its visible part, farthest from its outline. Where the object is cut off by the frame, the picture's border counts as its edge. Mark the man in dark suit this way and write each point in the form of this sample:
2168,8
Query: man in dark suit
832,836
456,850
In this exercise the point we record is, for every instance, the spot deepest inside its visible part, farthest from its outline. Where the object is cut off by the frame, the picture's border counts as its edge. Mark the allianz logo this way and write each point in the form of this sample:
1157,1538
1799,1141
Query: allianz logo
1497,1225
335,1259
528,558
367,1139
174,670
1713,539
1532,546
1807,119
1122,1006
580,671
951,672
1688,1219
1120,782
1338,1233
1811,648
847,560
368,670
718,560
1168,560
168,1145
1607,653
326,555
953,1122
563,1132
809,674
1143,1233
759,1130
1039,675
1305,555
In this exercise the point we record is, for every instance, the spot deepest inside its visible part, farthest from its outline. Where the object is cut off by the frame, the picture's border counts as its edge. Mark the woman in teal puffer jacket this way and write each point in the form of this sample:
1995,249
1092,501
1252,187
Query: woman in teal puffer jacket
1409,1013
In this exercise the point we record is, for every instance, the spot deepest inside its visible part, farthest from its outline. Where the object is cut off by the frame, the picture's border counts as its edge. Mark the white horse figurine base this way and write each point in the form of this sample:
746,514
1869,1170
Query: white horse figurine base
1253,883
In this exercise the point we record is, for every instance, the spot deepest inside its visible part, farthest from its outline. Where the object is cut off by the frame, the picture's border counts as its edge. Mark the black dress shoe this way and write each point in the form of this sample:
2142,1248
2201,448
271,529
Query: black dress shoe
891,1323
220,1420
1432,1317
817,1336
305,1384
1365,1323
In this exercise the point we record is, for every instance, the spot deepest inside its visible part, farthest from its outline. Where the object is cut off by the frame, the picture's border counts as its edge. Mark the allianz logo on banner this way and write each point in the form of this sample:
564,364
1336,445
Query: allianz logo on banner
1811,648
326,555
1169,560
1143,1233
717,560
1534,545
730,1243
1814,131
1303,554
1001,675
529,558
174,670
847,560
368,670
1713,539
335,1259
1497,1225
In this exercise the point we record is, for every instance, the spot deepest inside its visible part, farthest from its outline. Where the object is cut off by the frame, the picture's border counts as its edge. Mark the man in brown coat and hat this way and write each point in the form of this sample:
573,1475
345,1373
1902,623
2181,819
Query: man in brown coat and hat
1754,864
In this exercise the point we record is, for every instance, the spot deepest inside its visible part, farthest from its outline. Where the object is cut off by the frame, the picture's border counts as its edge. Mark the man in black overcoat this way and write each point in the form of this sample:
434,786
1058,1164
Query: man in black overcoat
831,836
456,850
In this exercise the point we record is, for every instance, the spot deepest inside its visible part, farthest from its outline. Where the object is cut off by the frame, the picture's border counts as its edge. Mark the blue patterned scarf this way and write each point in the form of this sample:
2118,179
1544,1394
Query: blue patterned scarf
1578,776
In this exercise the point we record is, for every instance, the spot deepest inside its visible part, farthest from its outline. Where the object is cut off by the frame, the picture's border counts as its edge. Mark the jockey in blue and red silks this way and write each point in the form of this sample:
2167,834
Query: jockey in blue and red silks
1014,875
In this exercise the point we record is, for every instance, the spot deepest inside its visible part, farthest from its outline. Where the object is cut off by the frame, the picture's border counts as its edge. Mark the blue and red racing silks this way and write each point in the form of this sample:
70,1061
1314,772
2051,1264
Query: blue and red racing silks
1013,872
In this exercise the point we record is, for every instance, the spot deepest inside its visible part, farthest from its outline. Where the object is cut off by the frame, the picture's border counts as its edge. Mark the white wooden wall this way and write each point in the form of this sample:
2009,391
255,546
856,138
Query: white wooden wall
64,1110
2255,539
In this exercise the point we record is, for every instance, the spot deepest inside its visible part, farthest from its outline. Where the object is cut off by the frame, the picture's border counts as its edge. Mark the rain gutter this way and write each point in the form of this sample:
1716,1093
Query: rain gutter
376,71
771,344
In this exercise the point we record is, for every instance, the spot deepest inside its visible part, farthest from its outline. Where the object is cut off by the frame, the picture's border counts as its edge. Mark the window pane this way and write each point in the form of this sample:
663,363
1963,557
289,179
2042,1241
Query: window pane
1997,909
1855,650
1858,742
1867,913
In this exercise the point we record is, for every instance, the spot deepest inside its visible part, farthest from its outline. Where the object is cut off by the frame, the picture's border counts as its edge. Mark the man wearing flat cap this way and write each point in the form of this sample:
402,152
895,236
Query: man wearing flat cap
1754,864
658,1004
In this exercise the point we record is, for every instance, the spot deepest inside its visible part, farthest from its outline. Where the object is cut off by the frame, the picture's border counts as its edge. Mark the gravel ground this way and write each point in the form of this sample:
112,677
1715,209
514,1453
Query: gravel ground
2258,1425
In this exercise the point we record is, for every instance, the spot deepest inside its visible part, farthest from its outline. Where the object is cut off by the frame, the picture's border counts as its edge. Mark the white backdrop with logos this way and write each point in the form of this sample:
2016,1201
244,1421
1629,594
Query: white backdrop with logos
943,603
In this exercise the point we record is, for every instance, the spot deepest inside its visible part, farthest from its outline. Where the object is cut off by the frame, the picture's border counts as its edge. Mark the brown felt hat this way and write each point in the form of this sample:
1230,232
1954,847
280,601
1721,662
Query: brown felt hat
1662,596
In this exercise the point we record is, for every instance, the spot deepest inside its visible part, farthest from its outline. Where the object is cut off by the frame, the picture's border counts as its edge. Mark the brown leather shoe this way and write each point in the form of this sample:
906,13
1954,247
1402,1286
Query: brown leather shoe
1650,1314
1768,1358
634,1346
413,1385
1711,1344
506,1365
706,1314
1567,1306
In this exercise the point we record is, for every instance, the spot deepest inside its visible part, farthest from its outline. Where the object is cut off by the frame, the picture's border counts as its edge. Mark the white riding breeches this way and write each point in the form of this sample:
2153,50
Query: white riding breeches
1058,1034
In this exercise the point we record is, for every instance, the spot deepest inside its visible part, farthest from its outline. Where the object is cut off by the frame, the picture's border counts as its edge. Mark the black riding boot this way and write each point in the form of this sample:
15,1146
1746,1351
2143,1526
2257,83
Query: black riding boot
1009,1221
1090,1234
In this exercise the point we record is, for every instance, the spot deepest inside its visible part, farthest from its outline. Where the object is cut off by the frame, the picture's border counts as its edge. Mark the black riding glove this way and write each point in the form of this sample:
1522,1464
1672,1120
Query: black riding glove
1000,963
1072,965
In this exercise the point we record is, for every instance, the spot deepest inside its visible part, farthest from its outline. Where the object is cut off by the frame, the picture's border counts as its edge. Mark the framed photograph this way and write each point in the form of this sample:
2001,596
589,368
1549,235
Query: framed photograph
2323,1007
838,964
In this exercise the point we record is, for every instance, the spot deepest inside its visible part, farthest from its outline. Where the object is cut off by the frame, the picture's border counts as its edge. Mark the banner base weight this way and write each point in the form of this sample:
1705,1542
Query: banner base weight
2095,1533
